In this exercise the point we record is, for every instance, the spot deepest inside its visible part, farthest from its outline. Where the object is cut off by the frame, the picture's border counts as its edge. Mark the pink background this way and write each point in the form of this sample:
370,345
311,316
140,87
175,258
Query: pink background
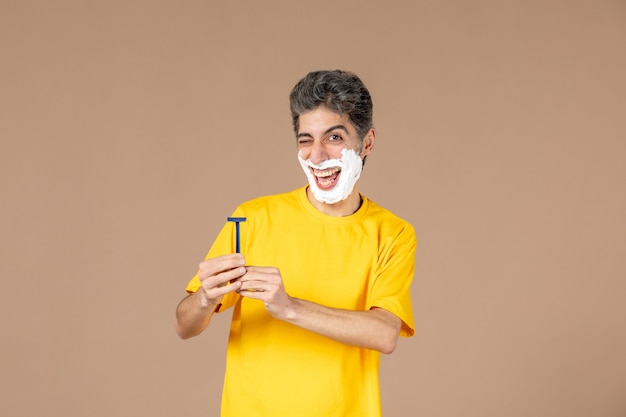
131,129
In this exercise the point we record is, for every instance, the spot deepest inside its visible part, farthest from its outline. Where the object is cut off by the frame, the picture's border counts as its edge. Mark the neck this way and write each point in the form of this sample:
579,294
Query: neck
340,209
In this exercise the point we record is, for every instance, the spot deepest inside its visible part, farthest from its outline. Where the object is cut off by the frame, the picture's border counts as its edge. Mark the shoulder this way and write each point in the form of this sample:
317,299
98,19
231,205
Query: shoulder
392,230
271,202
386,218
396,236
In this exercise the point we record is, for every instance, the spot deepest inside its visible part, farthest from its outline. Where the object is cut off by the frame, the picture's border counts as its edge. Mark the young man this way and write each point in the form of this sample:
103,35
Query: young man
322,284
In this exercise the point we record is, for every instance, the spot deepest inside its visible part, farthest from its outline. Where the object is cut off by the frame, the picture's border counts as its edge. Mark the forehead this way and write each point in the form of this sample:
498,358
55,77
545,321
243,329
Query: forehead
321,119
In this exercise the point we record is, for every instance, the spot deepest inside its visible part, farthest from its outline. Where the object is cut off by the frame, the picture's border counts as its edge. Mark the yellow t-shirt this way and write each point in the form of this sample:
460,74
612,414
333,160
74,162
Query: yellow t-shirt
366,260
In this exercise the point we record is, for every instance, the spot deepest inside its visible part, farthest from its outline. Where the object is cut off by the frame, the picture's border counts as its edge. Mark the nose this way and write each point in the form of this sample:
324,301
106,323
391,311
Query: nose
317,153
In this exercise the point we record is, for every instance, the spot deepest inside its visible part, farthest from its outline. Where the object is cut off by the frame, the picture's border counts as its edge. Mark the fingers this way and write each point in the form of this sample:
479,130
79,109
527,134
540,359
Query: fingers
219,276
263,269
266,284
261,273
221,269
214,266
260,279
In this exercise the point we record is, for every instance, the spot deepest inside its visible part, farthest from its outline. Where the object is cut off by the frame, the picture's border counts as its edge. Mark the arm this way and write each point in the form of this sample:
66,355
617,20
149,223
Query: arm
376,329
194,312
193,315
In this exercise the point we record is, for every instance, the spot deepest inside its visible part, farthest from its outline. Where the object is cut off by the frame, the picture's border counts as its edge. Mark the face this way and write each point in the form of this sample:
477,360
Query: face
330,153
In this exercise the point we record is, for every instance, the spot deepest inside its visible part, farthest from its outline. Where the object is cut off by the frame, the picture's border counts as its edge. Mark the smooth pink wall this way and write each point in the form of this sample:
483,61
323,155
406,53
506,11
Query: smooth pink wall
130,130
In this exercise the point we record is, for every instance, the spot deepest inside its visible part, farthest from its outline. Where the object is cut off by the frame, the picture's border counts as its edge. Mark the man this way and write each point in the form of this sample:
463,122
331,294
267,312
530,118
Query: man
322,284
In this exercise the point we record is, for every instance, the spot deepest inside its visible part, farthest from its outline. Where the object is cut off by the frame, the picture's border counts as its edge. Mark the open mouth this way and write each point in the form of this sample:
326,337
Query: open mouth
327,178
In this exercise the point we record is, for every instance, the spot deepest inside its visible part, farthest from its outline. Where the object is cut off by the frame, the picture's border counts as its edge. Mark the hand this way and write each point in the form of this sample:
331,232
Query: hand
266,284
220,276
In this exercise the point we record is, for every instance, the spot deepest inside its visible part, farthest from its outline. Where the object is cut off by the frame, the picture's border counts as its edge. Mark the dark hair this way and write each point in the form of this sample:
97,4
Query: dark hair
340,91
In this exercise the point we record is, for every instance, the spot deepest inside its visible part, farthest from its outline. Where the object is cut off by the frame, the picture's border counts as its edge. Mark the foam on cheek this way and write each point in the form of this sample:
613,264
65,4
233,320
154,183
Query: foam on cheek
351,166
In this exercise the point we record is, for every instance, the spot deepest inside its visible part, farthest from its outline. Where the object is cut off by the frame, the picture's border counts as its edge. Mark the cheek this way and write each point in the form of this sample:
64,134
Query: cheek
304,154
335,154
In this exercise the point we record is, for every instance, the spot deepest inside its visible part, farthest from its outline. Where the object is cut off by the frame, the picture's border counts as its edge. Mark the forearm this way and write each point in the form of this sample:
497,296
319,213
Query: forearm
193,315
375,329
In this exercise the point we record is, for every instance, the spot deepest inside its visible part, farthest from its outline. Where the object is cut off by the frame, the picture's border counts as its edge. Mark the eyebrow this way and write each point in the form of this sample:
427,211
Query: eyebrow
327,131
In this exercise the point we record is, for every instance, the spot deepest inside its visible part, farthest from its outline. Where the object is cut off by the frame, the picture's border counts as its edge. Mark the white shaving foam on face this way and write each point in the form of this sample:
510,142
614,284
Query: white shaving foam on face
351,165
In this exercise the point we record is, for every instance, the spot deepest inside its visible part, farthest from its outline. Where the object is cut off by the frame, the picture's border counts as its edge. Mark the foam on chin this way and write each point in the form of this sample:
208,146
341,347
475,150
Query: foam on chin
351,166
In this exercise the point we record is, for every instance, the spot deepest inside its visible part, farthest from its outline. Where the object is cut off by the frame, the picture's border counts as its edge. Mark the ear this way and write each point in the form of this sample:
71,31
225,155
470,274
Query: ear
368,142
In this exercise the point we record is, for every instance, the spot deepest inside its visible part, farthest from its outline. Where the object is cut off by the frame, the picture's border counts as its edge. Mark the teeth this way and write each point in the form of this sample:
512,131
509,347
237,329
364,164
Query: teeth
324,183
328,173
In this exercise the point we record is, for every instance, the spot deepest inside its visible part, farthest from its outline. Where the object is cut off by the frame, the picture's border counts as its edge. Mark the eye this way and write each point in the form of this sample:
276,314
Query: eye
334,138
304,141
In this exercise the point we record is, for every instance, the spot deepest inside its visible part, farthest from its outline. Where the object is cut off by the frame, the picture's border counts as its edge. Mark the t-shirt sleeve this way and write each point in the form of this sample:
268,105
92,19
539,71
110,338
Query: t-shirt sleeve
223,244
391,289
